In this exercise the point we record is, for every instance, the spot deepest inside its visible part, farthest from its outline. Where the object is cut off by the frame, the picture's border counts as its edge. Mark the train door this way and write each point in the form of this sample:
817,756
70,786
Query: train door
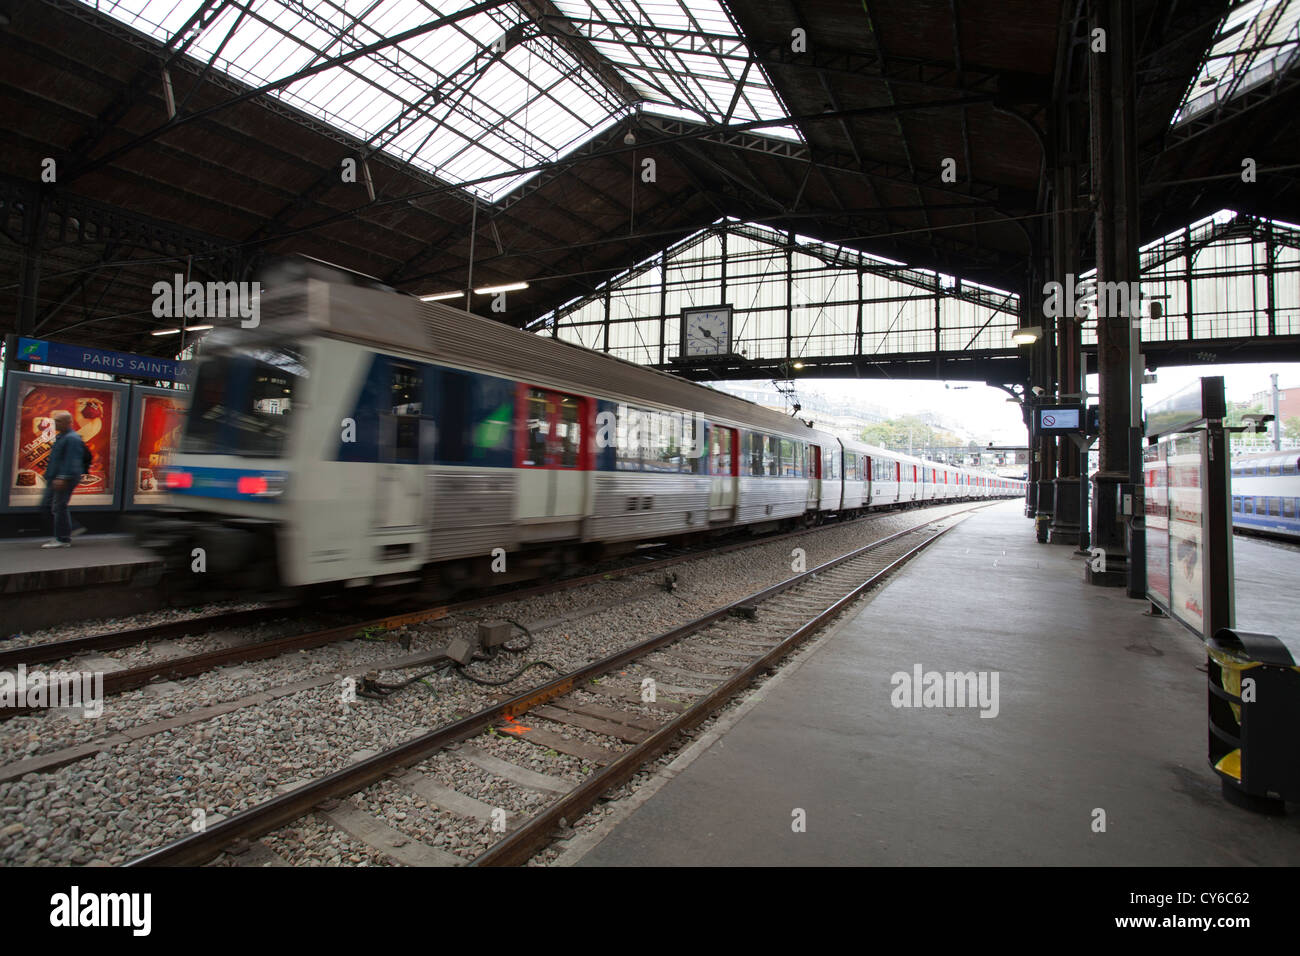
814,461
724,458
397,491
832,479
553,453
916,483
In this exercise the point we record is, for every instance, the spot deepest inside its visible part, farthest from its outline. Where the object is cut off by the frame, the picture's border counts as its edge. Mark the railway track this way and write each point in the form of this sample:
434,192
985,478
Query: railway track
616,714
190,665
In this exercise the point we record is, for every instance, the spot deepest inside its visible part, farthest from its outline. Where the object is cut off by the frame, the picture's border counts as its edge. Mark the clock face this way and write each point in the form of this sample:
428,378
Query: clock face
707,332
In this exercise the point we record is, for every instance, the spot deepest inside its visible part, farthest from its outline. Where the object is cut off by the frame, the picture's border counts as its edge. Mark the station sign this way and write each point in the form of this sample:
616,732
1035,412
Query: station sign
62,355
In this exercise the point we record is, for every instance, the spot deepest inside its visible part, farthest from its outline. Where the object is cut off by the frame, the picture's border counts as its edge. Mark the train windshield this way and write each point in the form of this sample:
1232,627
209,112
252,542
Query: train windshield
243,403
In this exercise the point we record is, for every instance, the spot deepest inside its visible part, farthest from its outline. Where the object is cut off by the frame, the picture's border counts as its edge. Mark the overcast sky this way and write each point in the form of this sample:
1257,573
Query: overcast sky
985,412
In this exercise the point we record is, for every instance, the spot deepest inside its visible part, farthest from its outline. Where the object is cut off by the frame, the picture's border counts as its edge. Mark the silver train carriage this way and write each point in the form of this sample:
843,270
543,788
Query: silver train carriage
359,437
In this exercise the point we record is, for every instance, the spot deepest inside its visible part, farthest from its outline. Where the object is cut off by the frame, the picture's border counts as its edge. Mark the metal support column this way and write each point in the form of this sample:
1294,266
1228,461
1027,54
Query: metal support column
29,274
1067,516
1112,80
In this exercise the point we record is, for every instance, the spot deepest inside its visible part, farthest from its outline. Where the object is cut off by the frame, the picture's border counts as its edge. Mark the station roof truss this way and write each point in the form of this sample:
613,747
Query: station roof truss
1228,287
499,142
835,311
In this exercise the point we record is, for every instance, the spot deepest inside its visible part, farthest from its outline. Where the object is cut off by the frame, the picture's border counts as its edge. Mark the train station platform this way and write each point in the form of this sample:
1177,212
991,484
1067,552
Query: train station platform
40,587
1099,719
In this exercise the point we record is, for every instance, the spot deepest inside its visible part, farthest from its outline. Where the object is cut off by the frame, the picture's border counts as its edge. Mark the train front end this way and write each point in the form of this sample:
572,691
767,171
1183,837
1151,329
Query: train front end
230,482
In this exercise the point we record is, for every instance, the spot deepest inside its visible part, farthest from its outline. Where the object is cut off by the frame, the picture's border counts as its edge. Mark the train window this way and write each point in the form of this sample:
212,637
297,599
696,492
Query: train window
771,455
567,434
1275,468
242,403
1275,507
405,405
537,423
830,464
694,447
786,466
406,390
1288,507
553,429
661,440
1236,504
1291,466
720,440
627,452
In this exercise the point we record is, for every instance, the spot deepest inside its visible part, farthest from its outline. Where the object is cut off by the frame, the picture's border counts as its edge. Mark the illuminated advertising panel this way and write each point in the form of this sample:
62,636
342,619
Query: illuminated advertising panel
1186,530
1157,523
158,416
97,411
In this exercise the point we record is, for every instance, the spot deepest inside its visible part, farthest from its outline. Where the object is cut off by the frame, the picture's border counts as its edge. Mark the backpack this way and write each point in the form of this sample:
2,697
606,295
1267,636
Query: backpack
87,458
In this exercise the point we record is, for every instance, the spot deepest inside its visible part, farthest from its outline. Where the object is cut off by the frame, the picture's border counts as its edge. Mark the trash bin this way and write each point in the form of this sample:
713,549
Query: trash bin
1254,719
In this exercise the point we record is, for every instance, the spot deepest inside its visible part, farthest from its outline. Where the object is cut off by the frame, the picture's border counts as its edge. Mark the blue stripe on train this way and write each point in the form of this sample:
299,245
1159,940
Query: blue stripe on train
220,482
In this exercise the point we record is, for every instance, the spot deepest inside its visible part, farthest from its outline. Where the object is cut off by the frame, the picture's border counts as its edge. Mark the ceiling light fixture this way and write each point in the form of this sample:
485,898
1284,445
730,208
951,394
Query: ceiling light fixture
165,332
1027,335
440,296
493,289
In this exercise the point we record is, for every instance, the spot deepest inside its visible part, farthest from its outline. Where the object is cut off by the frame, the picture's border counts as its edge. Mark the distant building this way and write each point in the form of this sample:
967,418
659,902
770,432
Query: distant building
1288,400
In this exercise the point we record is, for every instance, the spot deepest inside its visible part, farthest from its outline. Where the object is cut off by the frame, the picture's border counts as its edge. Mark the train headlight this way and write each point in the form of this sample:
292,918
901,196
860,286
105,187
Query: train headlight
260,486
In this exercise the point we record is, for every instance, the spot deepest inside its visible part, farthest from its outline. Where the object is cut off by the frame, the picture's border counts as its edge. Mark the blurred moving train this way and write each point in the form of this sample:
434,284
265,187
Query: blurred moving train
360,437
1266,493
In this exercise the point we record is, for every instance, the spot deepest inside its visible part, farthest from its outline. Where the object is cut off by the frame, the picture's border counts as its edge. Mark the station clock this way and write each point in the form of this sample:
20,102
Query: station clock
706,332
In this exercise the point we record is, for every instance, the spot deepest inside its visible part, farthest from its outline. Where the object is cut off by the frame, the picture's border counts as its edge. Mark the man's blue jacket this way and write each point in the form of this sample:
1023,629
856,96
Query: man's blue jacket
67,457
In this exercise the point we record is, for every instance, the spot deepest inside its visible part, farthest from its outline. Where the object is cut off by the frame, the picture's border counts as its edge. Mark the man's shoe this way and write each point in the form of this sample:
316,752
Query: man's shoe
57,544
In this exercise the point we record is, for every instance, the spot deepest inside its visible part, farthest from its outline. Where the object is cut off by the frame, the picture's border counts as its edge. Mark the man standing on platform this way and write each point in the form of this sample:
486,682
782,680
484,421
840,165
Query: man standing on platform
66,465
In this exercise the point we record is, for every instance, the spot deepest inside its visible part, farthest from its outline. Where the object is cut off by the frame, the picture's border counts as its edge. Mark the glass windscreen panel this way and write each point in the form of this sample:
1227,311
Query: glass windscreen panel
243,403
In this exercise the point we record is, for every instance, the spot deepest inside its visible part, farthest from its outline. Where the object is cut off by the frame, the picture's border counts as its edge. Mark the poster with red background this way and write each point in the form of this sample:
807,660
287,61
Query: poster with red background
94,417
161,419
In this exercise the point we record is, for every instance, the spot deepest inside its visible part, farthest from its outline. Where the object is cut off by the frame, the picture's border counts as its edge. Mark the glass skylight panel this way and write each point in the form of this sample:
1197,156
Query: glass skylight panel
1257,40
437,101
685,57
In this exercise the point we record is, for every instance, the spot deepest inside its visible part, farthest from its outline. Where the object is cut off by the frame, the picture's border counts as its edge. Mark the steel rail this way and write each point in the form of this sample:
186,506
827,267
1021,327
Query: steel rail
111,640
116,682
519,847
277,811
